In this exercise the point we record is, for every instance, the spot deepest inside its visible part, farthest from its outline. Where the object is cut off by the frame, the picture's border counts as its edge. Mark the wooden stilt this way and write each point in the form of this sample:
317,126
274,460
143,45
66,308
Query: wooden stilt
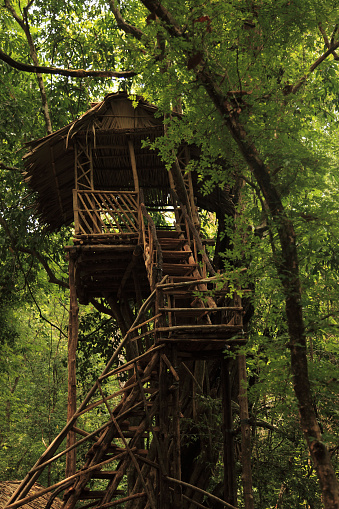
230,492
164,496
72,347
178,320
176,449
245,435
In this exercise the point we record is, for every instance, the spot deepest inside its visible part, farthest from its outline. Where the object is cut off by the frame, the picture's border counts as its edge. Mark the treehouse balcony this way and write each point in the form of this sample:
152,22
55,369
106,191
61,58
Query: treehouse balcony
105,215
106,244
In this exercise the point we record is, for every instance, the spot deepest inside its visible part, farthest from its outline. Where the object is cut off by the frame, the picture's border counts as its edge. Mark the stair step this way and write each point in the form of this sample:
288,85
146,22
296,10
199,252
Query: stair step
201,328
92,495
199,310
115,450
167,234
179,254
180,294
179,269
108,474
180,279
172,244
130,434
193,311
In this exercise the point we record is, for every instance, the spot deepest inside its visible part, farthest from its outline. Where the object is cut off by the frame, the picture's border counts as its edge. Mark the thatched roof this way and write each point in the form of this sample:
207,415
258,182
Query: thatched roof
107,126
7,488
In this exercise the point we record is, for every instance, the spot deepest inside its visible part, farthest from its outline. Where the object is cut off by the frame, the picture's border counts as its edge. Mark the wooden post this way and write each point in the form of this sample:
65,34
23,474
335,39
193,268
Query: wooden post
245,434
76,212
176,454
72,347
164,493
134,166
230,491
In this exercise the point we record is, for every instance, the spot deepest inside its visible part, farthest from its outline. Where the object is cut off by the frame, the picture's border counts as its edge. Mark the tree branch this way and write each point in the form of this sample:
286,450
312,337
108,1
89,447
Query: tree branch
44,263
4,166
126,27
11,9
23,23
294,89
73,73
37,305
327,42
101,307
165,16
38,256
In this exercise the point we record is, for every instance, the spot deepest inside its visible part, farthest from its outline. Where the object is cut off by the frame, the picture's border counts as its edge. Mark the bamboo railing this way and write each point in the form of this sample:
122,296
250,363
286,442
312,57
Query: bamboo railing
152,249
105,212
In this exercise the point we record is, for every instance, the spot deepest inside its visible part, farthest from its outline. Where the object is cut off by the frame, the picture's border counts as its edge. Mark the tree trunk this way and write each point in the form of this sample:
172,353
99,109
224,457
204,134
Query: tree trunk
288,270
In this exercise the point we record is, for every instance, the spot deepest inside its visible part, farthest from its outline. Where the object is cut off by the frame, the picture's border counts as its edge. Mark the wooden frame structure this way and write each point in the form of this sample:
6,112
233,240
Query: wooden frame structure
187,313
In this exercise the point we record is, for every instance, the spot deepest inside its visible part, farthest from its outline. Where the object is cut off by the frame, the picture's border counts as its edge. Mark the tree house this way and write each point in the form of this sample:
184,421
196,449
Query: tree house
137,245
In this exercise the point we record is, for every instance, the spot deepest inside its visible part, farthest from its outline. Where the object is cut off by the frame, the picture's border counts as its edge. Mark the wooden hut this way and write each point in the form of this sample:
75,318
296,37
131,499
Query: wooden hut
99,173
94,172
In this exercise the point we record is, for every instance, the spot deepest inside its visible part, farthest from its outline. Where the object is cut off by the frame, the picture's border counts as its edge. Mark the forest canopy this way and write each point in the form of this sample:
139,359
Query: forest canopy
257,86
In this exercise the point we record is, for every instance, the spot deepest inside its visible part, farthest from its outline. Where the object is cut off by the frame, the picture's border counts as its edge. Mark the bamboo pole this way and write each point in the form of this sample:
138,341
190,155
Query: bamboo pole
125,366
176,441
134,461
164,438
120,501
66,481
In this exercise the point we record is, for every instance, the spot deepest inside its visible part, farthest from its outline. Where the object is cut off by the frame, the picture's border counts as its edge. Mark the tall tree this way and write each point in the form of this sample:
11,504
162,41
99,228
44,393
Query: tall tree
252,76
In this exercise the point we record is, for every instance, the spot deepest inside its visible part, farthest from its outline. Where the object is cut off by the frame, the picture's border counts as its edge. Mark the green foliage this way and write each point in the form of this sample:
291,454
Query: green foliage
33,388
98,339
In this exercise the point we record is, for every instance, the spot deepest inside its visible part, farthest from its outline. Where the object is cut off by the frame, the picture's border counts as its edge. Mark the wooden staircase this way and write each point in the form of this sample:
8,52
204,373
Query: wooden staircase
132,460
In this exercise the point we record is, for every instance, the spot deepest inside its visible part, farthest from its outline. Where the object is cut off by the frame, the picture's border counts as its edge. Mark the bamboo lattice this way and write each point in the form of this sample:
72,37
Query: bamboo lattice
104,212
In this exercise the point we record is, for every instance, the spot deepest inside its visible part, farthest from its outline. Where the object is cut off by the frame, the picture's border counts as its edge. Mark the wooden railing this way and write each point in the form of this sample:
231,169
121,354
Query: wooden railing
152,249
225,318
192,235
105,212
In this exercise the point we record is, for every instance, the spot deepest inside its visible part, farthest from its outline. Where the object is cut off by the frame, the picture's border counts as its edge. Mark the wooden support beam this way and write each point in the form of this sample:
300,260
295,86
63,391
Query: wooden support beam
129,450
65,482
201,328
176,413
122,500
164,438
203,492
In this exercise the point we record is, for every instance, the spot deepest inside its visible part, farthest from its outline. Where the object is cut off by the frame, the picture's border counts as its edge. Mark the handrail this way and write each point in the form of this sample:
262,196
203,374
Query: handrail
195,234
153,234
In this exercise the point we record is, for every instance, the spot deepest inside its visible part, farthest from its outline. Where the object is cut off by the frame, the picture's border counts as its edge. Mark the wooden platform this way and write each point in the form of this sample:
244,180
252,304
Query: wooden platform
108,265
